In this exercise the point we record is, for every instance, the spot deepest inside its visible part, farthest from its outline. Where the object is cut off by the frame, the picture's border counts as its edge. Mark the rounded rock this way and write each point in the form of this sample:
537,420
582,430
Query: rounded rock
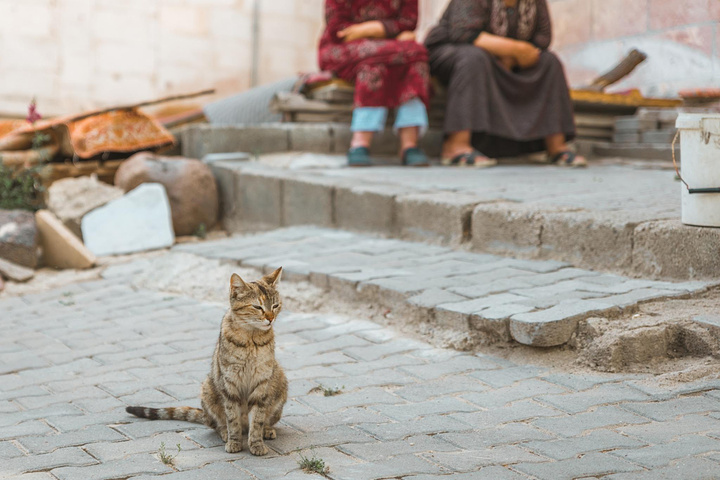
189,183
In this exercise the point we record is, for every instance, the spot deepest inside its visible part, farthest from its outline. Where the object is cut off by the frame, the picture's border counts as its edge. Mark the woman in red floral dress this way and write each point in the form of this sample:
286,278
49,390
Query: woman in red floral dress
371,43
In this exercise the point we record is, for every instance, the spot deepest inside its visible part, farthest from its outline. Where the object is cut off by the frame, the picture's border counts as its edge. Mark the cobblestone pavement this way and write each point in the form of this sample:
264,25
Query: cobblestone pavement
536,302
73,358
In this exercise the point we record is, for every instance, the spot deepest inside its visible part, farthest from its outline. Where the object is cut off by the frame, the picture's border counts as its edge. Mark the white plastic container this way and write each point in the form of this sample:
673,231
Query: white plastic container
700,143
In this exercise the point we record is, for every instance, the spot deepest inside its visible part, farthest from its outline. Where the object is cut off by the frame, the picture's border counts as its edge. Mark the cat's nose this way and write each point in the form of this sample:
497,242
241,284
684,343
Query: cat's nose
269,317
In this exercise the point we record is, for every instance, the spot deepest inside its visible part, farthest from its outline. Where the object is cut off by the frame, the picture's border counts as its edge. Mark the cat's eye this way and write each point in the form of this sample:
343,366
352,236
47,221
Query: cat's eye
258,307
275,306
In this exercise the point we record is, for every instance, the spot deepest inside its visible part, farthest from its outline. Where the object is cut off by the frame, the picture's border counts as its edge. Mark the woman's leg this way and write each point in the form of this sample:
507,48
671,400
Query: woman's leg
411,122
365,122
556,145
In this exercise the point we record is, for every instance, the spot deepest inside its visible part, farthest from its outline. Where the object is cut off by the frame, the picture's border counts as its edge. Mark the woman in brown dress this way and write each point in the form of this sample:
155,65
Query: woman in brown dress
507,94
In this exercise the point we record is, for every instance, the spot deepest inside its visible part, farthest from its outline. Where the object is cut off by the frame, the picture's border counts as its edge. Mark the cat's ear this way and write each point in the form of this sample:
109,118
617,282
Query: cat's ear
237,283
273,278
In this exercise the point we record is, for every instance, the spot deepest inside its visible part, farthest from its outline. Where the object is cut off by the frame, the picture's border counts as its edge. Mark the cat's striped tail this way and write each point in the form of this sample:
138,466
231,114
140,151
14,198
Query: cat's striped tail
187,414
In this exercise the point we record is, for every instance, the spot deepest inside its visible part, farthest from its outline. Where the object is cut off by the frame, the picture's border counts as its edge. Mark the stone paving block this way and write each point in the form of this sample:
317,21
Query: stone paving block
507,376
431,424
22,416
365,397
506,228
434,296
686,469
91,434
258,204
440,386
513,433
553,326
290,441
480,304
601,417
600,395
210,471
517,412
575,447
590,465
127,467
399,465
669,409
380,378
664,432
307,202
661,455
143,428
9,450
655,251
63,457
502,455
375,452
577,383
436,217
609,236
522,390
367,209
493,285
487,473
438,406
109,450
349,416
456,364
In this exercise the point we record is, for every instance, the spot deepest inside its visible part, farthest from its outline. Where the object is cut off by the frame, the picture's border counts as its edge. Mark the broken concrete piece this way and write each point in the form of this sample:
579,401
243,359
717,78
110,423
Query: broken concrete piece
61,248
189,183
139,221
14,272
18,237
71,198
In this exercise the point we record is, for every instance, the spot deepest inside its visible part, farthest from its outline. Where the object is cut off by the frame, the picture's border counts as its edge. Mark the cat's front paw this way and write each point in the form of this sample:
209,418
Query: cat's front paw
233,446
258,449
223,435
270,434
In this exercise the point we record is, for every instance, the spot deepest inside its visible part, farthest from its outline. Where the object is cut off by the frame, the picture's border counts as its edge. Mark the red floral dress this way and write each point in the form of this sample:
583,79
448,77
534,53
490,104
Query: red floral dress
386,72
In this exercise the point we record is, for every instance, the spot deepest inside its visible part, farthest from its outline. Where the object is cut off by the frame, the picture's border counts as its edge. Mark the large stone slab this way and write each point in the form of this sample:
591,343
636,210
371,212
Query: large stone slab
60,247
18,237
139,221
71,198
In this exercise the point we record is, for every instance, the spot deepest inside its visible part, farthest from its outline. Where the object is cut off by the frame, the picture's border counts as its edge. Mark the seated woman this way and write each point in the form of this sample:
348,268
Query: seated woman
507,94
371,44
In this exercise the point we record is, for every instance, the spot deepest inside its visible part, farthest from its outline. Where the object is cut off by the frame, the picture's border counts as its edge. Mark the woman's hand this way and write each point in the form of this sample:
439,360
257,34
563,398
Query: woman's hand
371,29
406,36
526,54
508,62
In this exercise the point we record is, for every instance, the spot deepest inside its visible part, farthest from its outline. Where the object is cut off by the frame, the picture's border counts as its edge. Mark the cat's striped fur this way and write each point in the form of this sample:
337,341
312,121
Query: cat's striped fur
245,379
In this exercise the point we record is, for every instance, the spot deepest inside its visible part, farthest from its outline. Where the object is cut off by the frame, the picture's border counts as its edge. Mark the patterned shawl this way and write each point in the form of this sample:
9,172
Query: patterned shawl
527,16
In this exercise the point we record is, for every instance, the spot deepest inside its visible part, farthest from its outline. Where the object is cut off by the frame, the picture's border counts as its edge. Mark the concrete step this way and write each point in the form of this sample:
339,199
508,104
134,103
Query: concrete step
477,298
609,217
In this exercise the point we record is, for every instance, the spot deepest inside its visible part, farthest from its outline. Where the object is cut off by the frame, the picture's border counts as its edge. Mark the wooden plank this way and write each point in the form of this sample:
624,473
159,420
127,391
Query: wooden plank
594,120
633,99
591,132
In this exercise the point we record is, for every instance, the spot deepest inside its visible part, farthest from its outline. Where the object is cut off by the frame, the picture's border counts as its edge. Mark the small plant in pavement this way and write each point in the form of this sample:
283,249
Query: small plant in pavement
313,464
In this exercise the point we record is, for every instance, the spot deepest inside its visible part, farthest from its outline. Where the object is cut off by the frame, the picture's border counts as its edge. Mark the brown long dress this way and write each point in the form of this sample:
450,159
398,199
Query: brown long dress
509,112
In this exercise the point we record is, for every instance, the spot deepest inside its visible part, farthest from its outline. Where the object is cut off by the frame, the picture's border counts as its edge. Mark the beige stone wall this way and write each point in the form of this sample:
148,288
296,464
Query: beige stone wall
81,54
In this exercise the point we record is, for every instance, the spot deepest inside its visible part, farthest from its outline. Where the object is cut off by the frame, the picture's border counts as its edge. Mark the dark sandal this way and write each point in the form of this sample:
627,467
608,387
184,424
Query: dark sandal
359,157
568,158
414,157
473,159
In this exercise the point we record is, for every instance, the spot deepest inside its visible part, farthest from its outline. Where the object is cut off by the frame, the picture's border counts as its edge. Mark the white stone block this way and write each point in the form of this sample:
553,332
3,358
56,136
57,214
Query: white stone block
139,221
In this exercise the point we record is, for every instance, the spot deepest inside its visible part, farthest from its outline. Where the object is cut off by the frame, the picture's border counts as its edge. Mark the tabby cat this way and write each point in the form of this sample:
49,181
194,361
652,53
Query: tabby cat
244,378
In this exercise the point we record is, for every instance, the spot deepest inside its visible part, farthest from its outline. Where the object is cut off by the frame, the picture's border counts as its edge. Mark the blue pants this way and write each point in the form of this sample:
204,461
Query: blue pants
372,119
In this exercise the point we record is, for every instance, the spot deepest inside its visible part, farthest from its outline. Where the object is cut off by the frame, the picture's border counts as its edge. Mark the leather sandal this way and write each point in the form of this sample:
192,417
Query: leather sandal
472,159
568,158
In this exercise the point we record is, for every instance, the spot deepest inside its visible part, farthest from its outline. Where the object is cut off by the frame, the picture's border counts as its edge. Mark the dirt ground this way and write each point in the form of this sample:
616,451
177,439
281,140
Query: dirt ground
658,340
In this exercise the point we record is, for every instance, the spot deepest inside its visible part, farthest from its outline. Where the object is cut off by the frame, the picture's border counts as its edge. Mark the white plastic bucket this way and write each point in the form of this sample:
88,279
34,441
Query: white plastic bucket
700,143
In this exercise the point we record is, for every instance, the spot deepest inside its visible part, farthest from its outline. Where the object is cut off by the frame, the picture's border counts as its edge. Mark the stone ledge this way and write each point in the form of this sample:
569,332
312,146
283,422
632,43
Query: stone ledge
423,285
